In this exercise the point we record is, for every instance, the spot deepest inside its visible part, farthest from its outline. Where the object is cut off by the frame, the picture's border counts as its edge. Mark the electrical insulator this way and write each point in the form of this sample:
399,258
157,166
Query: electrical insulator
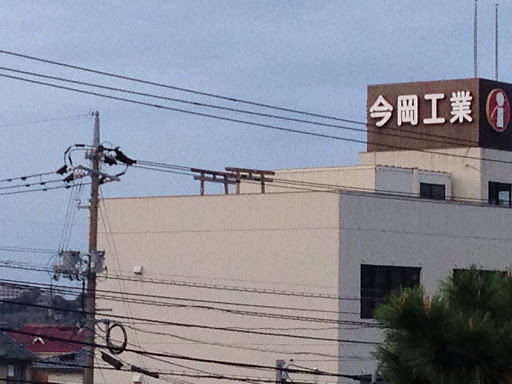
97,261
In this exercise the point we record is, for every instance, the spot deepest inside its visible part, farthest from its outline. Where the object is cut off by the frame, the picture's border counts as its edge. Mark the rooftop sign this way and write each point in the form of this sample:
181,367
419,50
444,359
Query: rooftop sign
439,114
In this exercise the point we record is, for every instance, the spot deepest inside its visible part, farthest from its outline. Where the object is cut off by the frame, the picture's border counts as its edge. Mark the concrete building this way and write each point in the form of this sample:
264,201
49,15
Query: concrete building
295,273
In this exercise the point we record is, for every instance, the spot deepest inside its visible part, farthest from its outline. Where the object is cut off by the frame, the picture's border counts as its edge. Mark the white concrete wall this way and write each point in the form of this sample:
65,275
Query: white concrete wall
465,172
362,178
463,164
291,242
392,179
355,177
406,181
497,168
434,235
284,242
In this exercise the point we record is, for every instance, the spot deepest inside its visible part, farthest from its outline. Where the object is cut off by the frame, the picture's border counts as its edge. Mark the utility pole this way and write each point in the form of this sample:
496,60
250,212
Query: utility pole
90,301
496,47
475,40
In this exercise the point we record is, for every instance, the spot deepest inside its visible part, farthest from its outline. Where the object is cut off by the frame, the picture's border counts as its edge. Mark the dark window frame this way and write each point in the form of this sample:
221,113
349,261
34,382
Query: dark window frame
378,281
432,191
495,188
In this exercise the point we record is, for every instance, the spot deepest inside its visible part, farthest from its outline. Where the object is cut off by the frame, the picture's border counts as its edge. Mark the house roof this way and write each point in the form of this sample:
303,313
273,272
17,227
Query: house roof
12,350
44,338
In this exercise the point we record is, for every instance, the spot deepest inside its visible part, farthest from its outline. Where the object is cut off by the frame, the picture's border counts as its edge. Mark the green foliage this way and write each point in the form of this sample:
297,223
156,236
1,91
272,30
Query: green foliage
462,335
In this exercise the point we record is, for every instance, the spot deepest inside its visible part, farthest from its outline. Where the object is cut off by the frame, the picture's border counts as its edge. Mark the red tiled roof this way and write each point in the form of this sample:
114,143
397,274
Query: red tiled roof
43,338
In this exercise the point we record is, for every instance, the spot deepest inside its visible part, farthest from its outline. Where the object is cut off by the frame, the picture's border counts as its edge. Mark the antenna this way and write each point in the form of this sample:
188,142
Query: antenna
475,40
496,47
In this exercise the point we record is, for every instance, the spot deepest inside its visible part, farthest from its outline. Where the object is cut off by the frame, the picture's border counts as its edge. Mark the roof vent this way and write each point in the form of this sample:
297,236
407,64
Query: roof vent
38,339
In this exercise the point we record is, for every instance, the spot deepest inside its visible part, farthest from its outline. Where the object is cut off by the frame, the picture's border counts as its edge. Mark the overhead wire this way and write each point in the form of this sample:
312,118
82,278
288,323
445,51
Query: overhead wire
178,283
207,94
107,226
39,189
227,345
233,120
69,217
215,328
409,134
28,185
182,357
44,120
250,123
282,316
27,250
57,290
23,178
130,294
307,186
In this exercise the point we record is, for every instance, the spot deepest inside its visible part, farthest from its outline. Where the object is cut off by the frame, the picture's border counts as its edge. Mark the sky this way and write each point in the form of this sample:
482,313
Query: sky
314,56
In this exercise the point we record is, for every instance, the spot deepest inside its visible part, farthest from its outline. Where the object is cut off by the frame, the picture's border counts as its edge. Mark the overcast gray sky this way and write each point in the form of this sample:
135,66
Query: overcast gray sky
316,56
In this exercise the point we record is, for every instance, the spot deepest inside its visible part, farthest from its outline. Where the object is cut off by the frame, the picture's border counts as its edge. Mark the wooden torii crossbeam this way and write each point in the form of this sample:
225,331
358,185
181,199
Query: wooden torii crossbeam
251,174
225,178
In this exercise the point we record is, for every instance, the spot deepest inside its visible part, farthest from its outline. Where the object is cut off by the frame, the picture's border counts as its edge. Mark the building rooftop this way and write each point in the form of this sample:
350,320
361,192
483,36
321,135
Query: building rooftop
10,349
71,362
45,338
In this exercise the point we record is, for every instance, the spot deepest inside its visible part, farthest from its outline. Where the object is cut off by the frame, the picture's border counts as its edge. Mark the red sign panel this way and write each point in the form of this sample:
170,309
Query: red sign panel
497,109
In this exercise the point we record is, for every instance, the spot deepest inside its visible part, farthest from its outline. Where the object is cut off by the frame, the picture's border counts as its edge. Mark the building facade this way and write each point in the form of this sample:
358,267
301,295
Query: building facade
294,274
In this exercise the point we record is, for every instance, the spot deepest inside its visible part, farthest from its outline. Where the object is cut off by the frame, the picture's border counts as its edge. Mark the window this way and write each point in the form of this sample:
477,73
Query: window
15,374
432,191
499,193
378,281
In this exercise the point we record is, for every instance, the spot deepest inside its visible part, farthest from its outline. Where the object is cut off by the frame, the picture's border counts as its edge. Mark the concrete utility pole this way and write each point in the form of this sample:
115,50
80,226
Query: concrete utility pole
90,301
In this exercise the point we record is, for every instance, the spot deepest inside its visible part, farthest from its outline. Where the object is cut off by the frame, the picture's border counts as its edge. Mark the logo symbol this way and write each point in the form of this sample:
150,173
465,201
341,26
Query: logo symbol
497,109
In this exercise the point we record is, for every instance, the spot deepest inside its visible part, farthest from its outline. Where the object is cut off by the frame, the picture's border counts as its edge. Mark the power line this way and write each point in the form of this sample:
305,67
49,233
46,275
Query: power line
289,130
33,122
306,186
126,297
112,245
216,96
233,288
210,327
131,294
28,185
247,122
225,345
183,357
312,186
27,250
409,134
23,178
168,304
41,189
